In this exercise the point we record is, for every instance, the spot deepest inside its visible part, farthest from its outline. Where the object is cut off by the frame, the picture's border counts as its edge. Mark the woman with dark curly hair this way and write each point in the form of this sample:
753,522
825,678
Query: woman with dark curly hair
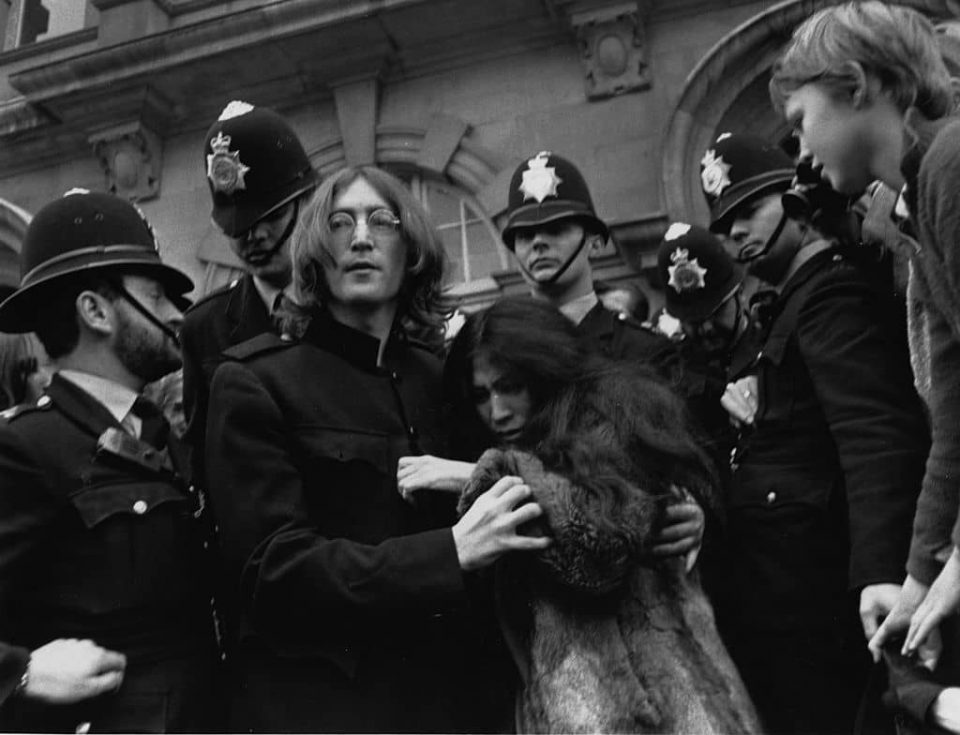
606,636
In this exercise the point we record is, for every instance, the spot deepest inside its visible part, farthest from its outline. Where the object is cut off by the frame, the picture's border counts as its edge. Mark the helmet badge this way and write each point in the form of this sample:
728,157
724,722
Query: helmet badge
539,180
224,168
715,175
685,274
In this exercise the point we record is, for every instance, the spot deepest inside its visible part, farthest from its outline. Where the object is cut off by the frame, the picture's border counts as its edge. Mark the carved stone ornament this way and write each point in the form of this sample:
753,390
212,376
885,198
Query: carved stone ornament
612,50
131,158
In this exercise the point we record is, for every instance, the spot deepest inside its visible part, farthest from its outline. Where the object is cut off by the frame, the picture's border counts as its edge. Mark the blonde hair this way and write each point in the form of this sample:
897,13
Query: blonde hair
895,45
421,302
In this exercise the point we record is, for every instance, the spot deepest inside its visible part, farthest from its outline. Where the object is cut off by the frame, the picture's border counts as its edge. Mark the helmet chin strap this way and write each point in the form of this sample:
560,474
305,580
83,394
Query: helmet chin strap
132,300
744,255
288,230
559,272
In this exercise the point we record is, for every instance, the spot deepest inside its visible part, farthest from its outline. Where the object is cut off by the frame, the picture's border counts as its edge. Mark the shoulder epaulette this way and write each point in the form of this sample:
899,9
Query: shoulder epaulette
215,294
262,344
14,412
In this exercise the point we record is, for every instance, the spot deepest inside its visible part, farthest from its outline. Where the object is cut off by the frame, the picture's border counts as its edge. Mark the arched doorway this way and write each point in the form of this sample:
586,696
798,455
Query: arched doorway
727,91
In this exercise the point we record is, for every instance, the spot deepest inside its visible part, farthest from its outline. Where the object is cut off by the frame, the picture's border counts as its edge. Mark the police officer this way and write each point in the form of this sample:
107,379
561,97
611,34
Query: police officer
827,474
551,229
99,537
259,178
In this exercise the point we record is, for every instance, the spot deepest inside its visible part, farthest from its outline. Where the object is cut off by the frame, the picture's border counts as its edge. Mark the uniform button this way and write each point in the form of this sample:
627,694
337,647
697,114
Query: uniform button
771,496
44,401
760,354
837,258
193,489
206,545
394,375
83,728
140,507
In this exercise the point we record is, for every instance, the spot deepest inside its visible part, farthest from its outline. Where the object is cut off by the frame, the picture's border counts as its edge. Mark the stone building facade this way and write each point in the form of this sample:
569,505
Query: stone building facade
449,94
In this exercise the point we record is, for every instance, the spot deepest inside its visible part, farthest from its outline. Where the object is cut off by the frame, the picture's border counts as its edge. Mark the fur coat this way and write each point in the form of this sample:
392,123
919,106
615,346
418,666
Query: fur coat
605,640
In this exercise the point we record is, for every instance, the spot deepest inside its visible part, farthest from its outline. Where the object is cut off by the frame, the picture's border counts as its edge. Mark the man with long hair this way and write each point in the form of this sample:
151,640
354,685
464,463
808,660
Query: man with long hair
347,606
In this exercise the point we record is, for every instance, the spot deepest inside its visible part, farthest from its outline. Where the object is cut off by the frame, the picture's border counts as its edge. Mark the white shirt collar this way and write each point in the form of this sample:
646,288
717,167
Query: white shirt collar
578,309
118,399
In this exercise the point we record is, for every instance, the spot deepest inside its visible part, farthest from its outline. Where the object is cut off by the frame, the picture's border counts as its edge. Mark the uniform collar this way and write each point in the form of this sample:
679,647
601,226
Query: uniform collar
353,345
117,399
247,312
577,310
268,293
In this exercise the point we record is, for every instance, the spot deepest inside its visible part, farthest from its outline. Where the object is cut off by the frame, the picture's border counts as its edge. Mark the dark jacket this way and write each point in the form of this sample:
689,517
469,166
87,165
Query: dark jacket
824,487
226,317
931,167
625,339
13,662
96,545
346,601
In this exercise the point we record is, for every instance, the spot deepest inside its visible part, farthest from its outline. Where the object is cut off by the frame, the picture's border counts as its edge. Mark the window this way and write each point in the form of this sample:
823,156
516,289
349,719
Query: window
471,240
31,21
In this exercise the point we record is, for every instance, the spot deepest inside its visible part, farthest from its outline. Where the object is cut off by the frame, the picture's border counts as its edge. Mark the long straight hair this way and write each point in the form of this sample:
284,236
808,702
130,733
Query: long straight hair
421,303
587,410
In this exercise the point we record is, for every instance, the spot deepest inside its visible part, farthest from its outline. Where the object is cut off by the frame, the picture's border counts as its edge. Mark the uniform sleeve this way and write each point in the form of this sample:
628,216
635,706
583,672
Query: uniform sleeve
938,503
291,576
194,385
27,510
13,662
938,221
864,386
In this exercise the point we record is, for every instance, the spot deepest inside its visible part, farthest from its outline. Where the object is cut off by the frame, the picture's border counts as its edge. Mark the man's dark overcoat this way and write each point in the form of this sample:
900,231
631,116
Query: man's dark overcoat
226,317
95,545
347,602
823,494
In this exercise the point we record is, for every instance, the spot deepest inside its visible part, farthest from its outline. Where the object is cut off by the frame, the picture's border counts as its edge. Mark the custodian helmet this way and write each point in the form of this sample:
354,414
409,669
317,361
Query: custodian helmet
82,232
547,188
254,164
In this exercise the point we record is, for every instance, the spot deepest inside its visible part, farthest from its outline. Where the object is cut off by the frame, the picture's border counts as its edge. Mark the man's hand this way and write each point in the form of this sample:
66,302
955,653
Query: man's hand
897,621
489,529
876,602
740,400
942,600
68,670
682,531
427,472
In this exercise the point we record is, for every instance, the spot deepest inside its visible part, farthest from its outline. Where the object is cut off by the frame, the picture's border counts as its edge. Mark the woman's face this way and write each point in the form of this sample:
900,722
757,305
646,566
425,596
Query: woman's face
503,402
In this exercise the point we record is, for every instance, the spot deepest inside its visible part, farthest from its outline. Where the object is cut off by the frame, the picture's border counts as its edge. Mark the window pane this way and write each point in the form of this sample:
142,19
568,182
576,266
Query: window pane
43,19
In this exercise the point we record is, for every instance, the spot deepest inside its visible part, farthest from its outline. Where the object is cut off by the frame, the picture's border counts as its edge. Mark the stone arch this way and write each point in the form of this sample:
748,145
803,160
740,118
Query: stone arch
728,87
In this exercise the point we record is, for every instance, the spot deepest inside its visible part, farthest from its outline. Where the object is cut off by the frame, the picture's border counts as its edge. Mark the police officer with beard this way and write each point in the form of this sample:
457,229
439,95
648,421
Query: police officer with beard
99,536
259,178
827,473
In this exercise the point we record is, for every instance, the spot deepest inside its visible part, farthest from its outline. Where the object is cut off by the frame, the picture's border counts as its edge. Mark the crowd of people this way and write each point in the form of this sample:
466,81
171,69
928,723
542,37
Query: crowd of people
563,518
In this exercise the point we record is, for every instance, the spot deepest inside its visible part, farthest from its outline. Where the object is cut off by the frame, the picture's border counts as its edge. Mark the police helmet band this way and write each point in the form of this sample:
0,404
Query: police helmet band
80,252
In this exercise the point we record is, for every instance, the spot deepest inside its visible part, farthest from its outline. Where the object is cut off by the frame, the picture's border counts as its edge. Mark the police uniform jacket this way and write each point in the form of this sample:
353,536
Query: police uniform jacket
13,662
226,317
825,486
345,598
625,339
103,545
